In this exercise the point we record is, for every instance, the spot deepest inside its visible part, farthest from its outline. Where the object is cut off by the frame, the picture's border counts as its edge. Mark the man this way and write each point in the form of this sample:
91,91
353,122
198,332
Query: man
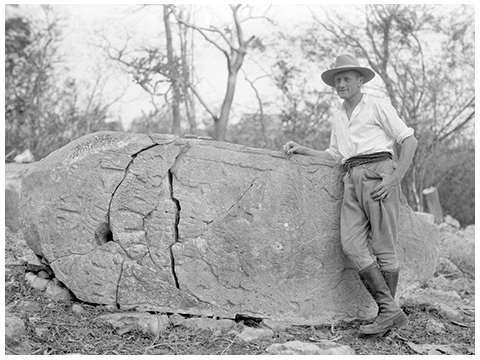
364,132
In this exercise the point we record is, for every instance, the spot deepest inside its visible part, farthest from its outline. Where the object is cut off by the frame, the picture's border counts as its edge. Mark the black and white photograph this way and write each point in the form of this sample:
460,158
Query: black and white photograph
239,179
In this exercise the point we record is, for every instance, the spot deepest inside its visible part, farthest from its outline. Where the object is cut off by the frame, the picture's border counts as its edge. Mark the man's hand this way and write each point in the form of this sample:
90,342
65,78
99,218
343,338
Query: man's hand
292,147
382,191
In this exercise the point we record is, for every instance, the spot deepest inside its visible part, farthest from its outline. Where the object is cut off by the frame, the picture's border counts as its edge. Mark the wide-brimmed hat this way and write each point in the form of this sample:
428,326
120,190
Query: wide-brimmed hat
345,63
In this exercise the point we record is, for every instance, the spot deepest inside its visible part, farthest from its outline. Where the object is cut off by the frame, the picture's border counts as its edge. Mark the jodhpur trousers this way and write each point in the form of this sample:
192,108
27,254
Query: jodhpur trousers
369,227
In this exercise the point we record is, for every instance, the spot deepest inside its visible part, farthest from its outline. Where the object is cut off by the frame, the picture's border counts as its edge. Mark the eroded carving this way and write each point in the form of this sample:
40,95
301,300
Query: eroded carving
192,226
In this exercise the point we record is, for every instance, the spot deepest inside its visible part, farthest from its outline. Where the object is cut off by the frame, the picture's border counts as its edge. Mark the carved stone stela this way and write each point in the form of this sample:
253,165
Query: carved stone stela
162,223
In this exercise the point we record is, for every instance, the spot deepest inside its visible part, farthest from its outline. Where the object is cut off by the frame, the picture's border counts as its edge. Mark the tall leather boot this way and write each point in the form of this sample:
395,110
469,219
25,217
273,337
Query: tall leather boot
391,278
390,315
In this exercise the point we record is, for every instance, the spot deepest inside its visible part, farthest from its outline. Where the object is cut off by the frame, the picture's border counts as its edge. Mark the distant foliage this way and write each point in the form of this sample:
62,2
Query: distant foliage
153,123
456,185
43,110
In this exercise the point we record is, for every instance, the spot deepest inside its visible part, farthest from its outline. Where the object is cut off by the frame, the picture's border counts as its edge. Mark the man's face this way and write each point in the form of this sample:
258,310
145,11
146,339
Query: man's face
348,83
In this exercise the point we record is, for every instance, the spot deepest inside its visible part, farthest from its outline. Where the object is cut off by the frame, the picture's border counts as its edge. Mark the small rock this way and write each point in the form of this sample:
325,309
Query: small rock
449,295
15,336
435,326
432,296
36,282
79,309
43,274
58,293
325,347
440,282
41,331
31,307
445,302
462,285
24,157
451,221
125,322
250,334
233,332
447,267
437,349
34,263
176,319
207,323
449,313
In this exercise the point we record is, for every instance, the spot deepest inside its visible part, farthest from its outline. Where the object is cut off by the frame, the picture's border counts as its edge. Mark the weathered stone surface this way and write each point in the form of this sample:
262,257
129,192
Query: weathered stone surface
161,223
125,322
252,334
210,324
428,218
300,348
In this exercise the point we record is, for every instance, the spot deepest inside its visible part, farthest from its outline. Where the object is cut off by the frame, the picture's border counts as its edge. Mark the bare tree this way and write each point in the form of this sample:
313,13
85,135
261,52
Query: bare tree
232,44
163,70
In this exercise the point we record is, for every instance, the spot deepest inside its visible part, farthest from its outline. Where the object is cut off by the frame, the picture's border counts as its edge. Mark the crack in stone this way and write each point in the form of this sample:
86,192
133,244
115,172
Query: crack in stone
175,229
125,174
233,205
144,227
170,176
117,303
107,228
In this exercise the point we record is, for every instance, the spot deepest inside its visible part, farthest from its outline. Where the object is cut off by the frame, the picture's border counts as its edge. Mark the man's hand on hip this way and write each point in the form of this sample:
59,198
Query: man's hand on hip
382,191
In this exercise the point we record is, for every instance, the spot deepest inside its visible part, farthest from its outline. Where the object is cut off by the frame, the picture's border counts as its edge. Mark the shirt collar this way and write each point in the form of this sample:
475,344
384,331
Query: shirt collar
364,99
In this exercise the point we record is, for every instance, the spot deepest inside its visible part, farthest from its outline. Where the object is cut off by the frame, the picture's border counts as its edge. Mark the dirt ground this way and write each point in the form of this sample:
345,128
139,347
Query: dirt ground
54,328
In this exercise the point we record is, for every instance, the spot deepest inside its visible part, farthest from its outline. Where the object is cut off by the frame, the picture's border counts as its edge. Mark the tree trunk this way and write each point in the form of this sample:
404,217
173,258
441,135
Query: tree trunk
221,124
189,103
173,73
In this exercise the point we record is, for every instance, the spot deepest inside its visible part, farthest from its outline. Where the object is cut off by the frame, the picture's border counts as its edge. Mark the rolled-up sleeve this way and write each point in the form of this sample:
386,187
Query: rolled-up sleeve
390,121
405,134
333,149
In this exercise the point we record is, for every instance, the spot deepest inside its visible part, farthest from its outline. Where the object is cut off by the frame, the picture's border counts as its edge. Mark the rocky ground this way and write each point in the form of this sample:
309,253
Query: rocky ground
42,317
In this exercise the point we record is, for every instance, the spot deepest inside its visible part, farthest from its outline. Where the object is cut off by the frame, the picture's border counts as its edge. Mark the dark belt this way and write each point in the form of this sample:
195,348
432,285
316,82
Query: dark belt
366,159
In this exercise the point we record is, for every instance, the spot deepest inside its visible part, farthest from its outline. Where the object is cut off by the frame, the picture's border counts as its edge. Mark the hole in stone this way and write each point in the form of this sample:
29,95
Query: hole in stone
103,234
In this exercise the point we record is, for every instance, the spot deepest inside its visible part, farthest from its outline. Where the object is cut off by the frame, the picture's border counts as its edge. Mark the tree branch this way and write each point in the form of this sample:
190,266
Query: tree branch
205,105
202,31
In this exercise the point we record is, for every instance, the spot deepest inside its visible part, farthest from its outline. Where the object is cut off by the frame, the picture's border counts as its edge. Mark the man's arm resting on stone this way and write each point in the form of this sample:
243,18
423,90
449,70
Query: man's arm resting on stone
293,148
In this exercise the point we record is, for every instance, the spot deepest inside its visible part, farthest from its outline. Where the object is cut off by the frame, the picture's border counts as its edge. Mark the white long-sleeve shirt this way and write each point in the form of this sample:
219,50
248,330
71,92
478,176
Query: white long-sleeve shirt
373,127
